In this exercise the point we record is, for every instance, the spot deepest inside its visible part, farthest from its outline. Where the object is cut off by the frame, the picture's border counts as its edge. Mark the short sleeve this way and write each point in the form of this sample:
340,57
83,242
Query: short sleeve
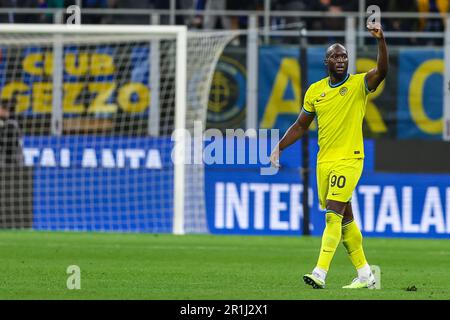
365,87
308,105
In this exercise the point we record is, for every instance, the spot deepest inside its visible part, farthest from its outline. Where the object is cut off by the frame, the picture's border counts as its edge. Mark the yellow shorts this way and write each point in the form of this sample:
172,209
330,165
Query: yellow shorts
336,180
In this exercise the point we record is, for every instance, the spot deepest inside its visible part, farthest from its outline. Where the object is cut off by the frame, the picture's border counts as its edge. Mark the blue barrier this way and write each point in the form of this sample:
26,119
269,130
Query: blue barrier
242,201
101,183
126,184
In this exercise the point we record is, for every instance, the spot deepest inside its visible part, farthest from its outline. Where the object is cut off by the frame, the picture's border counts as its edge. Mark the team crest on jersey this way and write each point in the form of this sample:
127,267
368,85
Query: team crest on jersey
343,91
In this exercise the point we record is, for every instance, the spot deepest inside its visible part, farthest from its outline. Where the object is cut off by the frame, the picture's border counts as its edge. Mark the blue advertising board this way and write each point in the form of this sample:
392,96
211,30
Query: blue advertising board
242,201
384,205
126,184
407,105
94,81
280,96
420,98
101,183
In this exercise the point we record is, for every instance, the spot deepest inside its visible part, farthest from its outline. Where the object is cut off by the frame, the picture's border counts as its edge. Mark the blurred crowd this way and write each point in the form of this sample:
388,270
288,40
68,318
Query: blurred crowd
200,20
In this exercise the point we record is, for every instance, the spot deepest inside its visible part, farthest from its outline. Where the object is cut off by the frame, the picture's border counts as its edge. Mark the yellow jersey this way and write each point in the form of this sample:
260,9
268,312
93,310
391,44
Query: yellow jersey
340,110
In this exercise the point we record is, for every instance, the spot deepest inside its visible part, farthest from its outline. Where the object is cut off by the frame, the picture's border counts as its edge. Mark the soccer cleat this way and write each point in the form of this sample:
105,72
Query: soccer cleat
369,283
313,281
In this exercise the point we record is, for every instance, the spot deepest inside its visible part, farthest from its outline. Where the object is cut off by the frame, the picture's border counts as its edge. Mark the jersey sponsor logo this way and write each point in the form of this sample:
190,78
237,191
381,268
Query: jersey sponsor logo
343,91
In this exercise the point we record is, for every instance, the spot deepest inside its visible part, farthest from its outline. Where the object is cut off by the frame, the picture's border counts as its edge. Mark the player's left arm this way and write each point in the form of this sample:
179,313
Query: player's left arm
376,75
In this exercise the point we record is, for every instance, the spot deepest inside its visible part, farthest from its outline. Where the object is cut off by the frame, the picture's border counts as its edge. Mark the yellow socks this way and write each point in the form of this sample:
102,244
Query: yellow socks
330,239
352,239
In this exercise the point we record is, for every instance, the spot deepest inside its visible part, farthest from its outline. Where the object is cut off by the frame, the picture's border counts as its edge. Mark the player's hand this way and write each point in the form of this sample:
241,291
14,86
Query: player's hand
275,158
375,29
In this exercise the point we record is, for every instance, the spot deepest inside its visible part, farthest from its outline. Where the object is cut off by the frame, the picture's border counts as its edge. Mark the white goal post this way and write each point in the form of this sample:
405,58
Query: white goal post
186,61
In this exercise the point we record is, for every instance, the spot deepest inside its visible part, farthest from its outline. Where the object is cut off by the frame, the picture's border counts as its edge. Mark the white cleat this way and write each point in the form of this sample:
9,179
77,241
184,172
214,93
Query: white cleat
358,283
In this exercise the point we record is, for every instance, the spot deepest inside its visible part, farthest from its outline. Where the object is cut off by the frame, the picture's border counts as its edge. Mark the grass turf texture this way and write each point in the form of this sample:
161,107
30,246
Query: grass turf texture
148,266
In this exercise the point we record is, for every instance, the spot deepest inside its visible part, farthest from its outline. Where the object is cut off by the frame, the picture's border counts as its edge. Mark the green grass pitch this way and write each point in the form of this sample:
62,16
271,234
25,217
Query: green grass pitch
150,266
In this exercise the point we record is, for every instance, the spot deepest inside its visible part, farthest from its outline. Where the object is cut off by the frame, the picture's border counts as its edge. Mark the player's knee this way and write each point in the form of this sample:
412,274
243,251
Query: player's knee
346,221
332,218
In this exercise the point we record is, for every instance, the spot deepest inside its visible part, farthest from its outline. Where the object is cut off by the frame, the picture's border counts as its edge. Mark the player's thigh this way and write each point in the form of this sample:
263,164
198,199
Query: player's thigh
323,177
337,206
344,177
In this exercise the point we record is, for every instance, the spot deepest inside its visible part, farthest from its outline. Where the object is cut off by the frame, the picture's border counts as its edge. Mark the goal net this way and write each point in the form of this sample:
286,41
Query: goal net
86,119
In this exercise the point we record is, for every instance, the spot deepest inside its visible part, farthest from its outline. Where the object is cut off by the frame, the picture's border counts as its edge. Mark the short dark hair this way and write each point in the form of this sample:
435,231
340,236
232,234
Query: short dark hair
331,48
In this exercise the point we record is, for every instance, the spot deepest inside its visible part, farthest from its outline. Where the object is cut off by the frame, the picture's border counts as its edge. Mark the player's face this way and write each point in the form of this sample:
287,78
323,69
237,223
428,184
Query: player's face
4,113
337,61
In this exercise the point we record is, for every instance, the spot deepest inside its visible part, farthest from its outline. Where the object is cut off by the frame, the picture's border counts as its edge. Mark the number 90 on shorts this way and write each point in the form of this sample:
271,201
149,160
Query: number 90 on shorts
336,180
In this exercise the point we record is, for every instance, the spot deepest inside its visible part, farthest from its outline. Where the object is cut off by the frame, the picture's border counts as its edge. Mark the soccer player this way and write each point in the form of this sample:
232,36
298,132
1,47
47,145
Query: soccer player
339,102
